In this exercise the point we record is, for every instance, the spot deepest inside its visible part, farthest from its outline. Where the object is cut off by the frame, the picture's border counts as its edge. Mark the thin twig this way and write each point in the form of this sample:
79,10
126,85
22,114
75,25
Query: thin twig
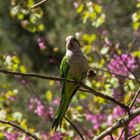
121,134
109,98
20,128
135,98
91,90
134,136
119,124
35,75
38,4
126,131
76,129
111,137
123,76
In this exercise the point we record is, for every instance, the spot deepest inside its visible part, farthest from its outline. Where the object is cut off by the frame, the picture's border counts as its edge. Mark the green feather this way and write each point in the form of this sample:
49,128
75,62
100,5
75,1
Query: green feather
68,90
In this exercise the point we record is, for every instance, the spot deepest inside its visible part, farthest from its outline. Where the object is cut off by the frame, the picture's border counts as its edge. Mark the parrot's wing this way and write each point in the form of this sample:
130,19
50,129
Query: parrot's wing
64,67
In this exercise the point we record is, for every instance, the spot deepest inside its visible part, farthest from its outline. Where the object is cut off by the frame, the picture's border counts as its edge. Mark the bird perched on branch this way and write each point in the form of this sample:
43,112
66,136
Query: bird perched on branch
74,66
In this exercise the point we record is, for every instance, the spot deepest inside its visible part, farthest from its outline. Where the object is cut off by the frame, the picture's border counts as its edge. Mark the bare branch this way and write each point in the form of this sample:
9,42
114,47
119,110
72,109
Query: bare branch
20,128
119,124
135,98
109,98
35,75
123,76
76,129
134,136
38,4
88,89
119,138
126,131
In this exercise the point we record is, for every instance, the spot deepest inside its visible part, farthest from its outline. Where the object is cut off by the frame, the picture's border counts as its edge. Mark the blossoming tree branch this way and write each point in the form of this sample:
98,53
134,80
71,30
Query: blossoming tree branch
70,70
122,122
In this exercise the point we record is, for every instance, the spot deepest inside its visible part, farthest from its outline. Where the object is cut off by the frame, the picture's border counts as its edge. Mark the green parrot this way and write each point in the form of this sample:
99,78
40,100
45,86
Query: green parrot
74,66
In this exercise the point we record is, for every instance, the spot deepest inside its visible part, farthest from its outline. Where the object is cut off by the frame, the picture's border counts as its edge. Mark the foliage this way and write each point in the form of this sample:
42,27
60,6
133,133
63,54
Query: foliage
32,40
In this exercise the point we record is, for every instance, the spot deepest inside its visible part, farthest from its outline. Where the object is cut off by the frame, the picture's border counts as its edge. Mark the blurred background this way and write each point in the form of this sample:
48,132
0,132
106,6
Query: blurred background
33,40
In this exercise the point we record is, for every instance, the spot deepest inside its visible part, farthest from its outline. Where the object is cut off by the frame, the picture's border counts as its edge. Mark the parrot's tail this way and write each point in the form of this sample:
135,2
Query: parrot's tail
65,101
61,112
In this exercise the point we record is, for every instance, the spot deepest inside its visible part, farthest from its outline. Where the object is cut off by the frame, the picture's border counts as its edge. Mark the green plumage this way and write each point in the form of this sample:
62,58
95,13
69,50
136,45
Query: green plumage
68,90
74,66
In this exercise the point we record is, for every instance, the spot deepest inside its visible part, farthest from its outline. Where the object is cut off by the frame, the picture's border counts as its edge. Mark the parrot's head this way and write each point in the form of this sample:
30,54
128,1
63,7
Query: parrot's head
72,43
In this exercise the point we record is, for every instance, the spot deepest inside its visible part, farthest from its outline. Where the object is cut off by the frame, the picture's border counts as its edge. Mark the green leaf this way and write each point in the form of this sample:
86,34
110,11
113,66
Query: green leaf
48,95
104,50
136,53
80,8
17,116
115,82
89,38
98,8
23,69
15,10
138,5
136,25
30,3
3,114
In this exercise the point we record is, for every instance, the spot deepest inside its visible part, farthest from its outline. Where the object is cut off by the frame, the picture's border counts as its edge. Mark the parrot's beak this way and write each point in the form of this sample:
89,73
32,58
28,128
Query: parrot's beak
69,41
70,44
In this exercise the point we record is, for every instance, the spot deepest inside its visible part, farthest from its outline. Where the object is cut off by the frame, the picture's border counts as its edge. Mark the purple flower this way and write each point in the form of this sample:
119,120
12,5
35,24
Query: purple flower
118,112
133,123
75,4
39,108
11,136
123,64
57,136
95,119
41,43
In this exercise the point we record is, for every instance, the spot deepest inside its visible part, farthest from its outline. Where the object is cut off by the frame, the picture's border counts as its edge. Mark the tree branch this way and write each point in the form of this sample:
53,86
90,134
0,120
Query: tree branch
19,128
126,131
38,4
88,89
135,98
132,137
119,138
109,98
123,76
76,129
119,124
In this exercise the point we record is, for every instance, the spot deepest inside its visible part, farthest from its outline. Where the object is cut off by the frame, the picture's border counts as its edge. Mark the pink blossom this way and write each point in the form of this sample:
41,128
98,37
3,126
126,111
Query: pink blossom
11,136
57,136
95,119
133,123
109,120
41,43
121,64
118,112
40,110
56,101
27,138
75,4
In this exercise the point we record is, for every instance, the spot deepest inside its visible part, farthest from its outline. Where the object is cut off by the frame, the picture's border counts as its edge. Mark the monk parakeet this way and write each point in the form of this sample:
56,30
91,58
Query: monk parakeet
74,66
